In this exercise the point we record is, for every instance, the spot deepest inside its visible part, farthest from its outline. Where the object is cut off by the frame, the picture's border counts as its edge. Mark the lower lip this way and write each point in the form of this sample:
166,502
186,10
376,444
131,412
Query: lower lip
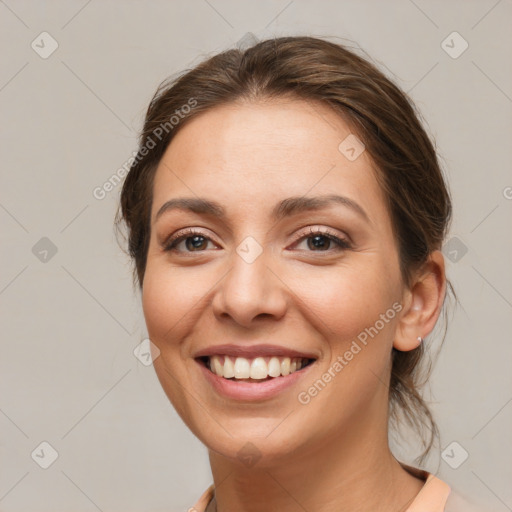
252,390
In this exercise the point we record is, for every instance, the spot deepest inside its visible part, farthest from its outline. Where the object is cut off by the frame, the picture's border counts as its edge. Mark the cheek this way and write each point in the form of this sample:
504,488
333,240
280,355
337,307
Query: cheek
347,300
159,310
356,312
170,296
168,300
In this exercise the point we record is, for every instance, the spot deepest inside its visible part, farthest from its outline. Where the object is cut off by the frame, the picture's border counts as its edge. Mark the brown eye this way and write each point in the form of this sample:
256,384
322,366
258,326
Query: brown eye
195,241
322,241
318,242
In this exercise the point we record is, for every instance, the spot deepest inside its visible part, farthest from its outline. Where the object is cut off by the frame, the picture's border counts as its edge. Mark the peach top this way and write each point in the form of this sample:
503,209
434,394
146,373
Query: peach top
431,498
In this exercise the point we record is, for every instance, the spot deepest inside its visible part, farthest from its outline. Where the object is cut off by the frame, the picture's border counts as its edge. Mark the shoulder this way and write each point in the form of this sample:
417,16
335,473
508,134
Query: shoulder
437,495
457,502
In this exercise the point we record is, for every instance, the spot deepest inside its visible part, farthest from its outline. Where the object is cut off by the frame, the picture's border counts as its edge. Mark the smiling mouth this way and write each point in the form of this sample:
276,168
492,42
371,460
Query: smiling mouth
258,369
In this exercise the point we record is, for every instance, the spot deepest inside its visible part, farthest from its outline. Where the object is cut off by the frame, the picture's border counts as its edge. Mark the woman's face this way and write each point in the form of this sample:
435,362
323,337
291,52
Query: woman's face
262,274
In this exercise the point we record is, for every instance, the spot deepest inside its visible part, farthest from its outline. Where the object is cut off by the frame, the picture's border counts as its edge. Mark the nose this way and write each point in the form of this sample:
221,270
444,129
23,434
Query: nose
250,291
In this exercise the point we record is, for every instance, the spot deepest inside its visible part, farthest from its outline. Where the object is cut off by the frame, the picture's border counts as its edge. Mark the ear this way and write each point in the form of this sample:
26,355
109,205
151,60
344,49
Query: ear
422,303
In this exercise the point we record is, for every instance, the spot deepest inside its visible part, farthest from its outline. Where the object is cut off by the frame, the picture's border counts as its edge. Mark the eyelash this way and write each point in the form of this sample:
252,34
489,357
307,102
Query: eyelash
342,244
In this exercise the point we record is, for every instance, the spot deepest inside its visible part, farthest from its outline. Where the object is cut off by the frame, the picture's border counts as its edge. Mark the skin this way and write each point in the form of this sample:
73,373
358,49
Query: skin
332,453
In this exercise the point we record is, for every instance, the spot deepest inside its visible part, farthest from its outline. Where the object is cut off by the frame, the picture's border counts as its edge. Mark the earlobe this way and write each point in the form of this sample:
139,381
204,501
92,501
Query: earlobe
407,344
419,341
414,344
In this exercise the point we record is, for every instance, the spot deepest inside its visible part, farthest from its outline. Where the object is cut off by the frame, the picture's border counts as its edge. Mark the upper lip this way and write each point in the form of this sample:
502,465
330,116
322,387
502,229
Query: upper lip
252,351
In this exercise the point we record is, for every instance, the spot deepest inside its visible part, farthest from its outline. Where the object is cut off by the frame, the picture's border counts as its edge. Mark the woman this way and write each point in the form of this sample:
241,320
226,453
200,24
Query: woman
285,215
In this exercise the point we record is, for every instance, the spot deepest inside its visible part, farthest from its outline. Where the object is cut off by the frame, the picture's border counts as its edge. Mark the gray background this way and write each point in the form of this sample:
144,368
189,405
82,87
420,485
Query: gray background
70,320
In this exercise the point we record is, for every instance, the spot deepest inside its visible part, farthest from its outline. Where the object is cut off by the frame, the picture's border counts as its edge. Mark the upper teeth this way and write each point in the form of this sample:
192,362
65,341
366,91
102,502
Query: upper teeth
257,368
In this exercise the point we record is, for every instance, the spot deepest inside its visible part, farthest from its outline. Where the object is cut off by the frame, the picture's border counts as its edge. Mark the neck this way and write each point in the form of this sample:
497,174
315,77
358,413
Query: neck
351,472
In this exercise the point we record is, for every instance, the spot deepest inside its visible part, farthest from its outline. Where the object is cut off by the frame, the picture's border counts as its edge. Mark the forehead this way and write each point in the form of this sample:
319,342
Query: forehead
250,155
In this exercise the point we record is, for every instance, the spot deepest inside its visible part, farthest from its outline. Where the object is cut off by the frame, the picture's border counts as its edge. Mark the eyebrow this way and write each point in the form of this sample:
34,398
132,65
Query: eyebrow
285,208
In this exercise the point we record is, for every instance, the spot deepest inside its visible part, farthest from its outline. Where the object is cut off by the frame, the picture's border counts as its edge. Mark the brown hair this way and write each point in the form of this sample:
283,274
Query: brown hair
381,115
